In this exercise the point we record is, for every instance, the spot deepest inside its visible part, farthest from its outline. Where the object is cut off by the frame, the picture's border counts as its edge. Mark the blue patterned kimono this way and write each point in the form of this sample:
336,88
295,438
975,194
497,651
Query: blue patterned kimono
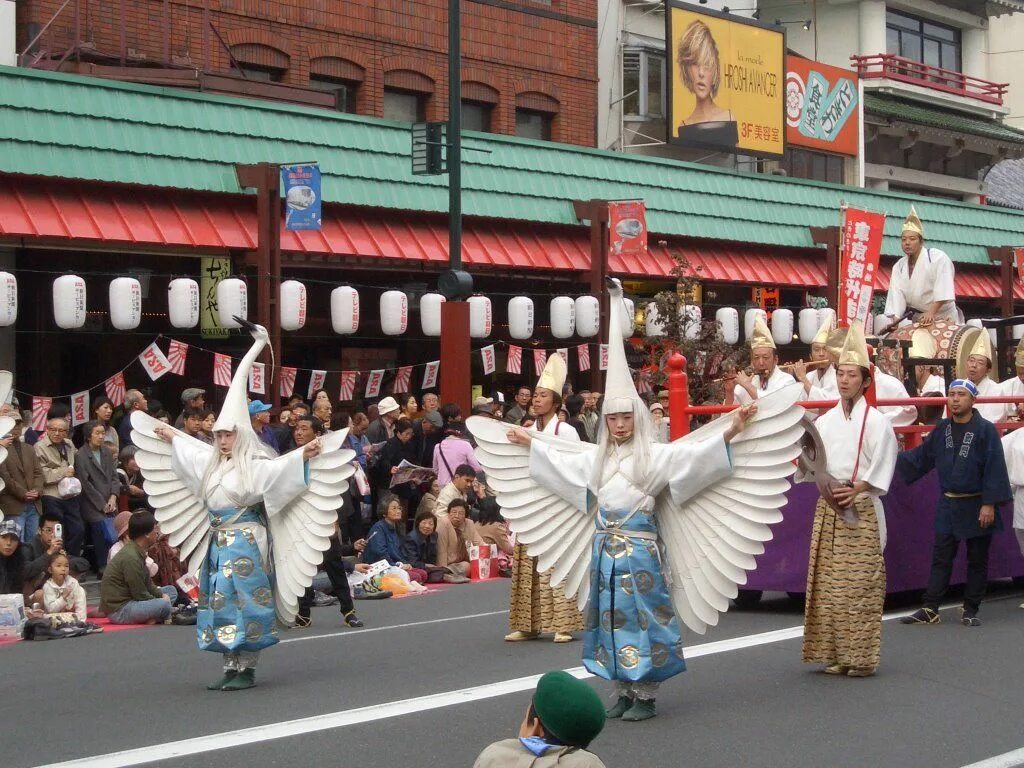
971,472
632,632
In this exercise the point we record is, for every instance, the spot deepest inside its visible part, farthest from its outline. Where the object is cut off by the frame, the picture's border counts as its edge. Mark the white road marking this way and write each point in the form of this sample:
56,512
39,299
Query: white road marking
1013,759
353,632
271,731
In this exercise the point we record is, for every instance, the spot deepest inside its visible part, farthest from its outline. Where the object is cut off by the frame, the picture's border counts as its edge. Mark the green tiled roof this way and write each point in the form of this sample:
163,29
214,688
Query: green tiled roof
911,112
70,126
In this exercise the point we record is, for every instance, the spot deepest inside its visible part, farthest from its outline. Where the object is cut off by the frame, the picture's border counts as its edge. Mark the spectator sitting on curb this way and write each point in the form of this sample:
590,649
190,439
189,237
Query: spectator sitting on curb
419,548
44,544
565,716
458,488
455,531
12,559
384,542
127,593
62,594
121,530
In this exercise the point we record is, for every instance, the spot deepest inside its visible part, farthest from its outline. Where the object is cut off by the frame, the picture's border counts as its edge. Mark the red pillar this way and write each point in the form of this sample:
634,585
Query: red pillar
455,373
678,397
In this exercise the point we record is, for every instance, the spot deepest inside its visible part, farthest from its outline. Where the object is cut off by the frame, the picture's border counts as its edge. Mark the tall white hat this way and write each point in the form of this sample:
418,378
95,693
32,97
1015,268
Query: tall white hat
554,374
234,414
620,395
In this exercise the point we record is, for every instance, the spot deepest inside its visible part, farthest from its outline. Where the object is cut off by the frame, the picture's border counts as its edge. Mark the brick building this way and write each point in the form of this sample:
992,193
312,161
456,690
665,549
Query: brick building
529,66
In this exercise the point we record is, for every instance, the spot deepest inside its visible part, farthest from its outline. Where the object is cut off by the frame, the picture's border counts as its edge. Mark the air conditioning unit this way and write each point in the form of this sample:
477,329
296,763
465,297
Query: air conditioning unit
8,51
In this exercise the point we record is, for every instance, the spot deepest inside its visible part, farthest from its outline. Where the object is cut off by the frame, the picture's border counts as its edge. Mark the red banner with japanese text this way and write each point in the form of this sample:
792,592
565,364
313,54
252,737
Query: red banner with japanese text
858,263
1018,254
627,227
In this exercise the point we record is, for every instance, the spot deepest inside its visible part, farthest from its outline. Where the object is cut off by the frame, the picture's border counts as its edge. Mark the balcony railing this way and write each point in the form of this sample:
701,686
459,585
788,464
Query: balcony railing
884,65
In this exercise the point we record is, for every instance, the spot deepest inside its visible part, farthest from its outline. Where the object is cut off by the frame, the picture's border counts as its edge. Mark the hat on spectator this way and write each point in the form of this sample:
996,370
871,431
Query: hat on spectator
387,405
483,404
657,407
10,527
121,523
258,406
569,709
965,384
434,418
662,393
191,394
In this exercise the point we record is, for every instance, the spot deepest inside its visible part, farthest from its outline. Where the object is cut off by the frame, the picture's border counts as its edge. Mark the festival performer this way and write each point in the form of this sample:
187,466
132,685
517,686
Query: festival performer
921,282
846,570
977,370
968,458
224,505
1014,386
1013,451
820,384
535,607
764,359
612,519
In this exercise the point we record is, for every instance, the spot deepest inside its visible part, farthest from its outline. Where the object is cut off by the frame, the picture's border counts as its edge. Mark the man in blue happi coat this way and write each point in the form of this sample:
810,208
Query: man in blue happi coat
967,455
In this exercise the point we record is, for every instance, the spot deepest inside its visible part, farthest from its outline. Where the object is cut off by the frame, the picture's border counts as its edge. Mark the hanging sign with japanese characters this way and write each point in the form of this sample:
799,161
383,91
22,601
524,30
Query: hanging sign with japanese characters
821,106
862,245
213,270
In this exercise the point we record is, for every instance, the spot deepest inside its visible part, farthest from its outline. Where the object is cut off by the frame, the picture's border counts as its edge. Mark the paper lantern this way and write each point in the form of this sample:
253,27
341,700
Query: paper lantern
563,317
728,320
691,317
628,318
430,313
808,325
232,301
748,321
653,324
293,305
394,313
480,317
345,310
782,326
69,301
588,316
125,303
520,317
8,298
183,303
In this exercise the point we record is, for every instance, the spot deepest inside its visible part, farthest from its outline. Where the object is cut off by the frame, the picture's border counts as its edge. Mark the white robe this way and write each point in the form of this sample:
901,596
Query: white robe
1012,386
890,388
1013,451
931,280
841,435
935,383
824,385
777,380
559,429
992,411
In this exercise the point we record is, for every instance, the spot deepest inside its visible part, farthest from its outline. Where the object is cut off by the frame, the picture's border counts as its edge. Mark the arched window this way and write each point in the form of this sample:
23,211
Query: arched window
339,76
535,115
260,62
406,95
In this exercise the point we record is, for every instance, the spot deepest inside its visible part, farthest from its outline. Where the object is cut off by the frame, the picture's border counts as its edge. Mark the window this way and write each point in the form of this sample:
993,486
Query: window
344,91
257,72
531,124
643,83
405,106
817,166
476,116
925,41
260,62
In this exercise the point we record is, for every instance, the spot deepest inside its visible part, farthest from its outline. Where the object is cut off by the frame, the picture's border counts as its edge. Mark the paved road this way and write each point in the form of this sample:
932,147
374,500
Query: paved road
430,683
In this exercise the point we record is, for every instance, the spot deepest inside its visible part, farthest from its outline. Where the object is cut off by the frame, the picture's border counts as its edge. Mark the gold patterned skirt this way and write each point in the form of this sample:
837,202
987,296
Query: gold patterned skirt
535,605
845,589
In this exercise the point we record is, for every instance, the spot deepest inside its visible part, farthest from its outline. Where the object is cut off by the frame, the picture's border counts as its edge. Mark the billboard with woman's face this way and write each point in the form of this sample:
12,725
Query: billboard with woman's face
727,82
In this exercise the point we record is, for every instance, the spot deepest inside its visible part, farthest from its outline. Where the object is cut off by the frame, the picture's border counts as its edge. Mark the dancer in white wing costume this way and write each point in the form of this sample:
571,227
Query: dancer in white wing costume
6,420
254,526
647,534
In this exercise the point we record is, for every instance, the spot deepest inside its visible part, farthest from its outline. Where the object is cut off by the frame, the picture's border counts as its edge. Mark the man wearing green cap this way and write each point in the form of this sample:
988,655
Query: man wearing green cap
561,721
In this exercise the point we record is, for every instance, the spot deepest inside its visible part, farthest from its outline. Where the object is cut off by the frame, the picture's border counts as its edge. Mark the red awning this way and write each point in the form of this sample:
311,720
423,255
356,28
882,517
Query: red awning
53,210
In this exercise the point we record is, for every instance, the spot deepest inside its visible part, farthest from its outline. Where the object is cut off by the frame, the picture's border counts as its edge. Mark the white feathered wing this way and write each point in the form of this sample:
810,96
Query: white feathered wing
299,532
553,530
6,422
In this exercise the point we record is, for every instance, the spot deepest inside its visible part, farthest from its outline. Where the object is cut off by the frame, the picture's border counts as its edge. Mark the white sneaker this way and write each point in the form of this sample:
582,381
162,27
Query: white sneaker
1022,605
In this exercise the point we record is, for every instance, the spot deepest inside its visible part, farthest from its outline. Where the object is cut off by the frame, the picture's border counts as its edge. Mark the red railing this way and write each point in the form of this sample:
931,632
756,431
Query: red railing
884,65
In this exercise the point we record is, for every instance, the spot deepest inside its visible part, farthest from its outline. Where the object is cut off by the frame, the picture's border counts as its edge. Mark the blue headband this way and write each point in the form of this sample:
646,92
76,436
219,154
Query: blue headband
964,384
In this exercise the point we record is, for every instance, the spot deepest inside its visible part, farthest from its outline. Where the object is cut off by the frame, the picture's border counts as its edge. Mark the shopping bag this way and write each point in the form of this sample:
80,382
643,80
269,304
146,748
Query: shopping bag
12,615
480,556
189,585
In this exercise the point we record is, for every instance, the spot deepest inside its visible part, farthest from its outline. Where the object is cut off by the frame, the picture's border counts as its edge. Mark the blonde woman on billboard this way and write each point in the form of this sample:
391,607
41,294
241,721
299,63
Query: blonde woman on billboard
699,66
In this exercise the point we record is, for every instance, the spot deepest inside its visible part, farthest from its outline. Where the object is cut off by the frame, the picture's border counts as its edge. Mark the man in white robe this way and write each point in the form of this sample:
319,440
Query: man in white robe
1013,451
977,370
1014,386
764,358
922,281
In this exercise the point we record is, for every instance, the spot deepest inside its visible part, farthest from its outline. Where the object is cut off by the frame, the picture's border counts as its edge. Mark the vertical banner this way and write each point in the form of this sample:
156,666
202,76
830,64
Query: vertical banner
221,370
153,360
40,405
627,227
603,366
115,388
583,356
858,263
286,385
514,363
79,408
1018,254
348,385
317,380
213,270
257,379
540,357
301,185
403,377
176,355
430,374
373,382
487,356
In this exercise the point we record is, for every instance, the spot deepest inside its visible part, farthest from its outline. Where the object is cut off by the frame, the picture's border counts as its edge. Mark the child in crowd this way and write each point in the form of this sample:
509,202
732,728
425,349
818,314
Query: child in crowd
62,594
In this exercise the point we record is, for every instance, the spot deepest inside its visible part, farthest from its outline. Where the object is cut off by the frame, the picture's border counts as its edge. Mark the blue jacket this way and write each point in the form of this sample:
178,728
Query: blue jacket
383,542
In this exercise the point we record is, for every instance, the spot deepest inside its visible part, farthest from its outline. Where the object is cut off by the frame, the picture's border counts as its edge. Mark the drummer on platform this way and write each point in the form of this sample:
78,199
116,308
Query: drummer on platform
922,281
764,359
977,369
